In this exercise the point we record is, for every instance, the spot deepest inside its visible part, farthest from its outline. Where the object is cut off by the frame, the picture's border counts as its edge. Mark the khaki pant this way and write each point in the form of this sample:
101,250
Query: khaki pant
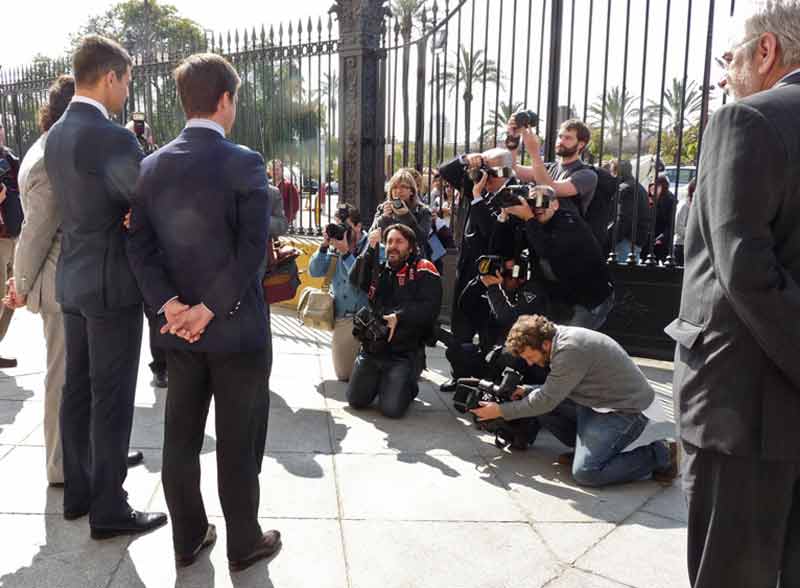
53,387
6,271
344,348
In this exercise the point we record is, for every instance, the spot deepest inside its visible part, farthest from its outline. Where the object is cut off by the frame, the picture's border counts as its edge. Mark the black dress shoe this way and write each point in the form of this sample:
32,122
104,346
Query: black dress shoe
137,522
56,484
160,379
448,386
6,362
135,458
181,561
267,546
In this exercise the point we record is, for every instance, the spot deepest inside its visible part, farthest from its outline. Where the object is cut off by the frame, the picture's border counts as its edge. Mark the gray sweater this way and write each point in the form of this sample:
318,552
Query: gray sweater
591,369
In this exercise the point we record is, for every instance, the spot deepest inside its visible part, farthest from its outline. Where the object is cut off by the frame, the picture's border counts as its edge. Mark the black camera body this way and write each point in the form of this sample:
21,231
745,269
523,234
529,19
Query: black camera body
522,119
369,327
489,265
537,196
337,231
493,172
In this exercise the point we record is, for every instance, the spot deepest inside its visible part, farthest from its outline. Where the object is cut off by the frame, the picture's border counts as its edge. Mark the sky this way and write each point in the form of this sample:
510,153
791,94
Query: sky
49,35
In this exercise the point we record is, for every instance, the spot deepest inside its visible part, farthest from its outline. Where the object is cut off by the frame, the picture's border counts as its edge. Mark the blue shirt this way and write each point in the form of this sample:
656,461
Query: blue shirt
347,300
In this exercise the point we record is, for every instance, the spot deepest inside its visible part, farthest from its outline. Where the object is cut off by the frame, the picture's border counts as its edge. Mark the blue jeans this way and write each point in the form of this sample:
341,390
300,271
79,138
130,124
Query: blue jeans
392,377
591,318
623,248
599,439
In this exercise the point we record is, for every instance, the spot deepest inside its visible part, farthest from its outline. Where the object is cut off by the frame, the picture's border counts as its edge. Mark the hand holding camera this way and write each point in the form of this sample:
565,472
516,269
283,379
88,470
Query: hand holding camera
518,126
374,238
399,206
480,185
492,280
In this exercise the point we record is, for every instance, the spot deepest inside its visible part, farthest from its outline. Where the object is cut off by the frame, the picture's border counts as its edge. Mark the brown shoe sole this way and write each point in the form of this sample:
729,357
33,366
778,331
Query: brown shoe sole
668,474
261,552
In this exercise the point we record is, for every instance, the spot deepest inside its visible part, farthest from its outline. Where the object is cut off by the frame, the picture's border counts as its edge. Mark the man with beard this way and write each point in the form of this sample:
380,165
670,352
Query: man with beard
573,181
405,296
737,378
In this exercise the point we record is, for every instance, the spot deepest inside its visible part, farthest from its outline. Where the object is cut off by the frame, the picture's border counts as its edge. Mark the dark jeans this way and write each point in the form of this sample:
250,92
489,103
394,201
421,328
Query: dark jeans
239,384
159,355
97,409
744,520
599,439
391,376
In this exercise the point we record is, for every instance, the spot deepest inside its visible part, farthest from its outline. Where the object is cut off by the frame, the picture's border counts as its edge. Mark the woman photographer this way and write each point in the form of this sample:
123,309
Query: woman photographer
402,206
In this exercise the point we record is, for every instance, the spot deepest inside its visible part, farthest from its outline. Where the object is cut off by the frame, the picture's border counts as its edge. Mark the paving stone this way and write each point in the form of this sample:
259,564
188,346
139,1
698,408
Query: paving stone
47,551
646,550
425,554
670,503
311,556
569,541
421,487
579,579
29,387
303,430
19,419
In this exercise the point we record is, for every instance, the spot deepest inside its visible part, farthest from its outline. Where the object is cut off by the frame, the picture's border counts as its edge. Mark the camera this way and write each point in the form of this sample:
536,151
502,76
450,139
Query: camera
522,119
337,231
470,392
398,204
369,326
140,130
493,172
537,196
489,265
342,214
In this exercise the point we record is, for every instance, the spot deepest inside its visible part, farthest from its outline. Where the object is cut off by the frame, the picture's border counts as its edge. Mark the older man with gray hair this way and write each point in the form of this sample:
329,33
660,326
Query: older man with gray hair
737,375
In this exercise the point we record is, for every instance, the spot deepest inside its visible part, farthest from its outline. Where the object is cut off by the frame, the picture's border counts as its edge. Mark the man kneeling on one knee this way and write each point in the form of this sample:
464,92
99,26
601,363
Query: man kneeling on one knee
593,400
405,295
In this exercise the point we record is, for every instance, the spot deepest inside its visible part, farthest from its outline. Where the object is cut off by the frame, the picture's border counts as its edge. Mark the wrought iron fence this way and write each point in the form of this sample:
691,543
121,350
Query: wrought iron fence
286,104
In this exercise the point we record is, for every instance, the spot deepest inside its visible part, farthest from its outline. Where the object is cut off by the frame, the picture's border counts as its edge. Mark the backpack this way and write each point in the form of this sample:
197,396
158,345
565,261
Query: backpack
600,214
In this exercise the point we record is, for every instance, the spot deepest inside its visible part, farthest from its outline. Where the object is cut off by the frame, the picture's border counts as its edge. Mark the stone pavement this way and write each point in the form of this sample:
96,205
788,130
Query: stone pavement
362,501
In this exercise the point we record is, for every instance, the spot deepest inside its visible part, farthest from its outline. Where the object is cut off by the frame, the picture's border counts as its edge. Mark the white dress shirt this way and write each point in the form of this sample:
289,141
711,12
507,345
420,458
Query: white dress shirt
204,123
93,102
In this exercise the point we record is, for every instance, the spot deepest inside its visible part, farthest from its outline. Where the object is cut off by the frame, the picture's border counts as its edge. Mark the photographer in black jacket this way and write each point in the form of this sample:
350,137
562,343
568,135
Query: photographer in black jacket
11,217
568,264
405,296
477,176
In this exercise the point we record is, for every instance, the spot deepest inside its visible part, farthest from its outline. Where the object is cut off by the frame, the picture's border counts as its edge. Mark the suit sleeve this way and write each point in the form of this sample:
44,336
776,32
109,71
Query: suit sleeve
253,205
743,173
122,167
42,219
144,254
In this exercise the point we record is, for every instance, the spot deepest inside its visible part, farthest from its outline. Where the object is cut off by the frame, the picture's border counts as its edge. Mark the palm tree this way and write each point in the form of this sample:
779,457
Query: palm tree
468,69
620,117
495,122
407,12
673,103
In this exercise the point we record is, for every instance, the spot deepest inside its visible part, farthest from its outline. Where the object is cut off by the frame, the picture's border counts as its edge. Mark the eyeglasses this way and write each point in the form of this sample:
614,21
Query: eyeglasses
725,61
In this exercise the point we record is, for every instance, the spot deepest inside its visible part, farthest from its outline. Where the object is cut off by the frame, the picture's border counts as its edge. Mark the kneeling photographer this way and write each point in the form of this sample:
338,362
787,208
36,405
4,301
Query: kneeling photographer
342,243
594,399
405,296
568,264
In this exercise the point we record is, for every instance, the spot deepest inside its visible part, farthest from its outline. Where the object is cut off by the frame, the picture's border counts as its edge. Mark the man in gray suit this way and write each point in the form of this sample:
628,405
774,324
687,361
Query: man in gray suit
737,364
35,263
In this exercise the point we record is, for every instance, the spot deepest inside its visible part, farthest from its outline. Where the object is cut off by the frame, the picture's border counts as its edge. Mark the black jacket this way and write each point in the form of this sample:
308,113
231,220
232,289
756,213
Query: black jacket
93,164
199,231
414,292
11,208
633,196
566,243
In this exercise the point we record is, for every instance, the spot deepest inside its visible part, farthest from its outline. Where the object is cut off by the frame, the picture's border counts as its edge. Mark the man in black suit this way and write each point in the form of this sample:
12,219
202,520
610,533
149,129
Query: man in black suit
737,374
198,239
93,164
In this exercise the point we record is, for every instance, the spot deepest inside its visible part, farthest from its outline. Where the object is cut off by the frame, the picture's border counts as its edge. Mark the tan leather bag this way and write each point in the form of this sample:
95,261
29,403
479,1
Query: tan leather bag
316,309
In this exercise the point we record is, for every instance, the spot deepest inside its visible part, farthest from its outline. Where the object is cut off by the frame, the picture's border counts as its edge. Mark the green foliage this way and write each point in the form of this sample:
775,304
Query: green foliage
669,146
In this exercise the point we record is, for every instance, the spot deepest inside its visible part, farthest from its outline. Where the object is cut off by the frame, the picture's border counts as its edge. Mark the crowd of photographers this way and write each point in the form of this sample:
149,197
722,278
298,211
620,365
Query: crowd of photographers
532,290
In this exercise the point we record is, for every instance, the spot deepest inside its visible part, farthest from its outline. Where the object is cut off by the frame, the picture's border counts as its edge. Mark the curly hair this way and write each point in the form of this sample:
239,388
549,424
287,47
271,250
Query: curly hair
529,331
59,95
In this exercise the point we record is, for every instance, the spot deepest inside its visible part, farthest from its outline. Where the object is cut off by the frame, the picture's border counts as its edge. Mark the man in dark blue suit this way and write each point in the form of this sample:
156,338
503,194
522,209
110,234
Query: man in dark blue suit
197,243
93,164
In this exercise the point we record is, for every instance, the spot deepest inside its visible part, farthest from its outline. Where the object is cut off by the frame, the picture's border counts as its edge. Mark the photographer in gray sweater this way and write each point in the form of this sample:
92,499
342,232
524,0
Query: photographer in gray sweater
593,400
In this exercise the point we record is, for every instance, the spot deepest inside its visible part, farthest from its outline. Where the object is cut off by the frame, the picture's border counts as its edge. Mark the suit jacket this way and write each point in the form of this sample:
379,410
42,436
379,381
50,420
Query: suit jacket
737,374
93,164
199,231
39,244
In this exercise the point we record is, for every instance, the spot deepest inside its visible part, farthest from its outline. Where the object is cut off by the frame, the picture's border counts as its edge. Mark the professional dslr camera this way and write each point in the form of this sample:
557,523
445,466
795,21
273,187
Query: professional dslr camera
522,119
493,172
140,130
339,230
470,392
536,196
369,327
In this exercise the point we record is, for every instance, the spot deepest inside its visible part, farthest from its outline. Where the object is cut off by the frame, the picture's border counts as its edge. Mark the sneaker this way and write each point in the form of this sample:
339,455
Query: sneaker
667,474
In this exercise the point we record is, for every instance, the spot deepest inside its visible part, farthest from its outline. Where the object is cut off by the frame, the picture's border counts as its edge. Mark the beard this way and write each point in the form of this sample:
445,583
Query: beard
562,151
395,258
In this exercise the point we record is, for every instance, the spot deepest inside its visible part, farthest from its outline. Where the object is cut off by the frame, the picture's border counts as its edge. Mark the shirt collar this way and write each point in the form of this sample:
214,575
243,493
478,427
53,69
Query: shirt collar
204,123
787,76
86,100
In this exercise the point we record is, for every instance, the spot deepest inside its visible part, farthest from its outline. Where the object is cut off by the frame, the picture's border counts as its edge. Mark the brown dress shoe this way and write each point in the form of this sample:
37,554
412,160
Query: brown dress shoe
667,474
7,363
267,546
566,458
181,561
